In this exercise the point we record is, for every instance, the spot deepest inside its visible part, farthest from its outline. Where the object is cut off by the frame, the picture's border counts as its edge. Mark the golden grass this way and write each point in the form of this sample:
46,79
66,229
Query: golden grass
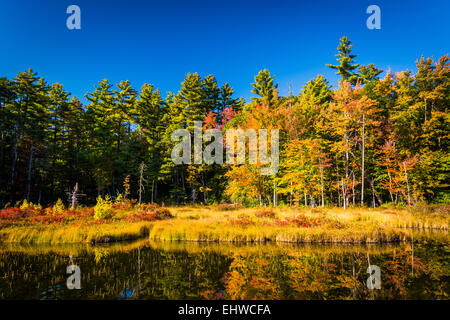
205,224
108,232
360,226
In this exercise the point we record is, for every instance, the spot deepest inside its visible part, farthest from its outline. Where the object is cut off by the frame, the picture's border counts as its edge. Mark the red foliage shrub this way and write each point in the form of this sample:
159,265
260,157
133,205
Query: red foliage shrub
303,221
242,220
81,216
306,222
265,214
151,215
227,207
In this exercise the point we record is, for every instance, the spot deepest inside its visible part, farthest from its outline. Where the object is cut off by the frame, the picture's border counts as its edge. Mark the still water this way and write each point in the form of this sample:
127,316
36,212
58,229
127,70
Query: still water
152,270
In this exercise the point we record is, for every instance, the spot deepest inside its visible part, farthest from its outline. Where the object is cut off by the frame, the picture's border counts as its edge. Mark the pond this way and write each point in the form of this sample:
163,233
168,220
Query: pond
164,270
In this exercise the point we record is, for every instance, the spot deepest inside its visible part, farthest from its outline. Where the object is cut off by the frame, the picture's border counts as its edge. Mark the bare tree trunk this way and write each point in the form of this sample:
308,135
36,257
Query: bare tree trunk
425,110
363,159
141,181
2,157
313,202
321,185
407,184
75,197
274,194
30,167
193,195
390,186
373,198
14,161
344,195
372,184
153,187
291,196
353,187
346,168
339,193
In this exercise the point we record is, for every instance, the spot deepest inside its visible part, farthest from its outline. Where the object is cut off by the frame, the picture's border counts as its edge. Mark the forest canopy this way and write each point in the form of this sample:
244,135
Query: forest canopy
369,141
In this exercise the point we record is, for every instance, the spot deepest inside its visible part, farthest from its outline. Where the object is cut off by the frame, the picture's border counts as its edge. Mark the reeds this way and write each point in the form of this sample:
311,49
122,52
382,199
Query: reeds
240,225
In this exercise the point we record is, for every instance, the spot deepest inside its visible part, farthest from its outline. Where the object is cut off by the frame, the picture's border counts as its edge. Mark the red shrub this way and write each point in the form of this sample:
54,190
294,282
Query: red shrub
242,221
151,215
265,214
227,207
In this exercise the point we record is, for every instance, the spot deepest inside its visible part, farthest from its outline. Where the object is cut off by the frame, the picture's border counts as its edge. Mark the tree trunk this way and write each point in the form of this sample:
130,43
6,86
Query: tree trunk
75,197
363,160
321,185
390,187
339,193
372,184
14,161
407,184
141,181
30,167
153,189
313,202
353,187
2,157
274,194
344,195
291,196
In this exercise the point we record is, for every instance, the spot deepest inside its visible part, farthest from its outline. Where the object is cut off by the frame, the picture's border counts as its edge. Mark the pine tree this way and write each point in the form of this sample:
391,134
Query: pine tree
265,87
346,65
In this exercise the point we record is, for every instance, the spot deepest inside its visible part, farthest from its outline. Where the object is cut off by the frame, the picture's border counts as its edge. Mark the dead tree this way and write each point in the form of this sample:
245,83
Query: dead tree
142,168
74,196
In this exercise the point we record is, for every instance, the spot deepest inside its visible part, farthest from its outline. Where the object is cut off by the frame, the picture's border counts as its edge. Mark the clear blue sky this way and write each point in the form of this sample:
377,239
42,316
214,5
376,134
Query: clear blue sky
159,42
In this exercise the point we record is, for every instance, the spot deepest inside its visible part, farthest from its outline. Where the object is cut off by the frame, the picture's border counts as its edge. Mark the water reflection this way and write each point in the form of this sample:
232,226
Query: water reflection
149,270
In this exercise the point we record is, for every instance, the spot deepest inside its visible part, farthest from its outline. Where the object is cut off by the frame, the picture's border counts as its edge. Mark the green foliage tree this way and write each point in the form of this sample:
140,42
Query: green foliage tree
345,58
370,140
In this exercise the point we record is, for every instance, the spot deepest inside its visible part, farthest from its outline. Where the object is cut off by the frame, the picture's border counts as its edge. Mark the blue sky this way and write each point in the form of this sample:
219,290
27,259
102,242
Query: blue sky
158,42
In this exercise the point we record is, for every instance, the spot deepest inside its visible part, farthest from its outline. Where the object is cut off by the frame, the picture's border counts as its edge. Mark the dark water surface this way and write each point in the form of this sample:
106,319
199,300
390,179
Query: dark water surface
150,270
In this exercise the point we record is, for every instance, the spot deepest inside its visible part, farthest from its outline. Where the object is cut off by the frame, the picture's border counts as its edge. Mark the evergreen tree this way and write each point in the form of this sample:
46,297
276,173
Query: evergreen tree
346,65
265,87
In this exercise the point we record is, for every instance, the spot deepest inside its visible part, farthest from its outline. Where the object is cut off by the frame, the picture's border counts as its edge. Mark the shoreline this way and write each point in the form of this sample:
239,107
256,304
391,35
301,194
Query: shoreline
246,226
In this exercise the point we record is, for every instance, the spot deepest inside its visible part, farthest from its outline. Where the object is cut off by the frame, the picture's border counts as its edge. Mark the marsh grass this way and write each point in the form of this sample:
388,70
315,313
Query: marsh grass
251,225
337,225
108,232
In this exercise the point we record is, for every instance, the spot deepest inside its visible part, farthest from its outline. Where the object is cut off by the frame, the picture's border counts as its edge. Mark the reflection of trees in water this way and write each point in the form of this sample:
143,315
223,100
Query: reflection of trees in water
145,272
140,273
340,276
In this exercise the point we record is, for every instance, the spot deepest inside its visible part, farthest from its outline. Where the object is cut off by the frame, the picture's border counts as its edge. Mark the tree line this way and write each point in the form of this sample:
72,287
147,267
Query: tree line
369,141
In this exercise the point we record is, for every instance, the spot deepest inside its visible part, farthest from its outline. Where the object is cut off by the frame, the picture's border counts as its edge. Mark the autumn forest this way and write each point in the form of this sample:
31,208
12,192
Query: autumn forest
370,141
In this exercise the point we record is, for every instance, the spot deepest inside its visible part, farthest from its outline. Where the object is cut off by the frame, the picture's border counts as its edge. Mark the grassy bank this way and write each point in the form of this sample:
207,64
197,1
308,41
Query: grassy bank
43,234
229,224
301,225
